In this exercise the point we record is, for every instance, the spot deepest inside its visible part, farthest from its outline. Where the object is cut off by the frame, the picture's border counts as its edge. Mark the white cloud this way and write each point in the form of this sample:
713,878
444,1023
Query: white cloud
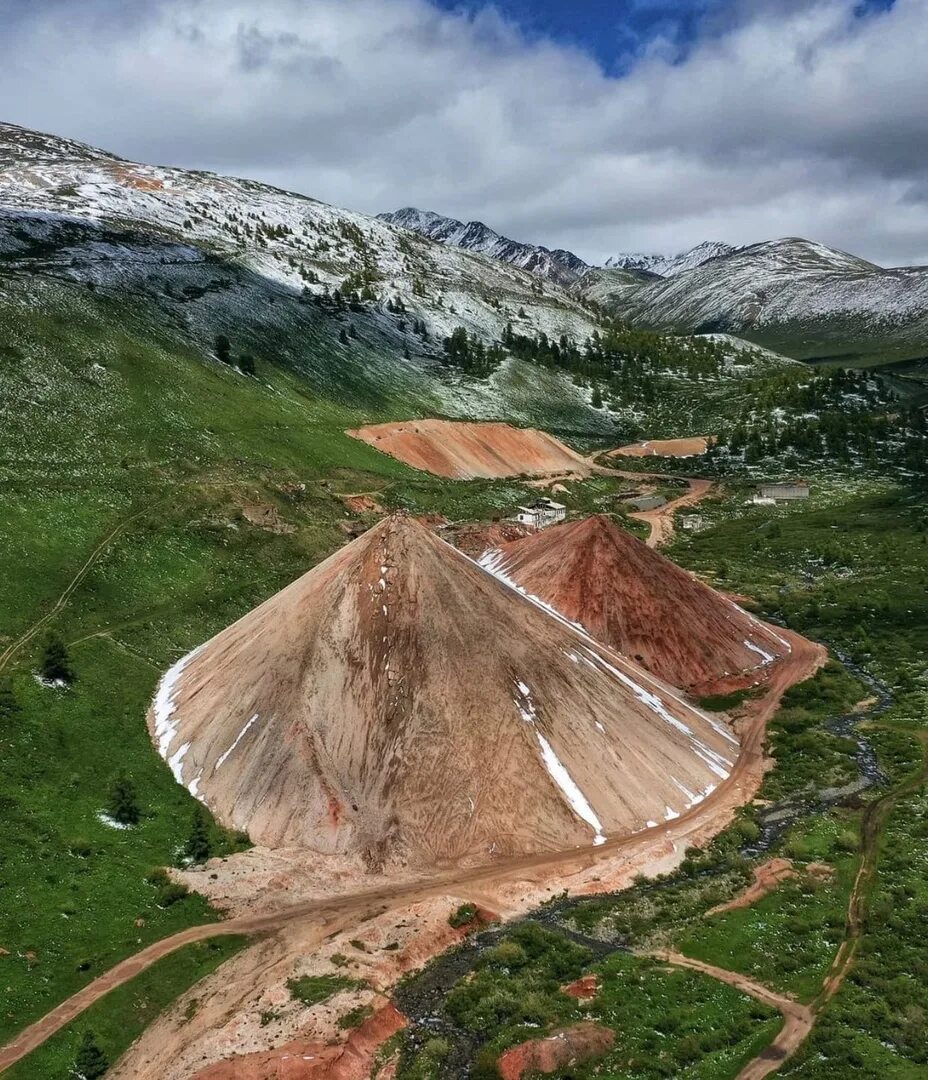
797,118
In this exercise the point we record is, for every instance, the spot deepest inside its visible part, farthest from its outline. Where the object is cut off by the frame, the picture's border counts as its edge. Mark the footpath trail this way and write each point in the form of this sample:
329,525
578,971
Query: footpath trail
355,908
11,650
800,1019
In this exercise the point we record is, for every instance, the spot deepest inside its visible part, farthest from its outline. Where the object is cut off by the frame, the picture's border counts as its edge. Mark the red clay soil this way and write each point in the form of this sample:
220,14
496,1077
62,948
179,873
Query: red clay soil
474,540
572,1046
665,447
463,451
399,703
302,1059
768,877
641,604
583,989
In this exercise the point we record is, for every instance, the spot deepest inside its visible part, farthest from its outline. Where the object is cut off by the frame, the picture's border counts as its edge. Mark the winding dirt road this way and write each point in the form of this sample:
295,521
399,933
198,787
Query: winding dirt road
739,788
661,519
798,1018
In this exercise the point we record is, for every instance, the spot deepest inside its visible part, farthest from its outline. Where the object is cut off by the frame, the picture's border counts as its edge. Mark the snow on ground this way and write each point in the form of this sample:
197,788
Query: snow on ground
556,769
236,741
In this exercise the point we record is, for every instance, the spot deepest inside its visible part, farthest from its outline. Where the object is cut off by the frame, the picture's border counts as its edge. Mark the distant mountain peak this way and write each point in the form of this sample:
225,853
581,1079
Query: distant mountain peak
561,267
669,265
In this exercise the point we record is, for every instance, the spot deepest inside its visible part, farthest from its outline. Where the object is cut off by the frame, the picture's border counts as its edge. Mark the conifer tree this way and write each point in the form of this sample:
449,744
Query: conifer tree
90,1062
56,664
223,349
123,805
198,847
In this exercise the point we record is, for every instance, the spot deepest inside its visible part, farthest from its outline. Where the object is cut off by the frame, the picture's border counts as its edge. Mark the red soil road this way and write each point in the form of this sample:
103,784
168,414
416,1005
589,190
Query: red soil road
462,451
348,910
642,605
660,520
799,1018
399,703
691,447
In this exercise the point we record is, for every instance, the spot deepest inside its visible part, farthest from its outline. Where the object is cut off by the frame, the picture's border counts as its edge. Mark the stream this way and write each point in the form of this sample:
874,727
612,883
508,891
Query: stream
421,998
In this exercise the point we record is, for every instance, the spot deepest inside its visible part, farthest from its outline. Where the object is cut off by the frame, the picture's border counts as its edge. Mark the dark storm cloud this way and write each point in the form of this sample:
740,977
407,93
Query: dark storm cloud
783,117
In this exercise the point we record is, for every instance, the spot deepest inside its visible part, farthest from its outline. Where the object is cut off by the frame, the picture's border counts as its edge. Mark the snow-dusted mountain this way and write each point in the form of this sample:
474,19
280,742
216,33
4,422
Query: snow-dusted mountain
213,254
793,295
669,265
562,267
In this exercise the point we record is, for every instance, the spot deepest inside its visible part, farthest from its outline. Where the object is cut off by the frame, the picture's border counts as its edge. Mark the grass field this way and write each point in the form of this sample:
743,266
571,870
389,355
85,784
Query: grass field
123,1015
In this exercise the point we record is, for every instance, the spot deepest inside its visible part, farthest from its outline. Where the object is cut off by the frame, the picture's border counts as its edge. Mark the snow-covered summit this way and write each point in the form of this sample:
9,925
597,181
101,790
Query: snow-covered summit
669,265
559,266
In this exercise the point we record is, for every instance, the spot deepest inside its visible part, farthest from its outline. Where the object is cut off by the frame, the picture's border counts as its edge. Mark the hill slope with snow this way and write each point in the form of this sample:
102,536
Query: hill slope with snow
792,295
360,711
670,265
559,266
208,254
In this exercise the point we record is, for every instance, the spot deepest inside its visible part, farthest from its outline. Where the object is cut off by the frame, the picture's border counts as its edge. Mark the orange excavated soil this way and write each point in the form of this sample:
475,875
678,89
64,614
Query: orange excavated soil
665,447
643,605
474,540
303,1059
583,989
572,1046
463,451
403,705
768,877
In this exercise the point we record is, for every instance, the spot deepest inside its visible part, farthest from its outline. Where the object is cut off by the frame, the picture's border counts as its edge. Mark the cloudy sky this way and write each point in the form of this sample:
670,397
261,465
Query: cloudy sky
597,125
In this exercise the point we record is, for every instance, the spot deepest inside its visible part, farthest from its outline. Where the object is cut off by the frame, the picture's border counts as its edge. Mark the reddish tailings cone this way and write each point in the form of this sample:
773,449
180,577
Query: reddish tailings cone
282,635
303,1059
642,605
399,703
462,451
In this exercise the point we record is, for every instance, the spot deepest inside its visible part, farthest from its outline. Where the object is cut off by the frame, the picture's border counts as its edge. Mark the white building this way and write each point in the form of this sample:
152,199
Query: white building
541,512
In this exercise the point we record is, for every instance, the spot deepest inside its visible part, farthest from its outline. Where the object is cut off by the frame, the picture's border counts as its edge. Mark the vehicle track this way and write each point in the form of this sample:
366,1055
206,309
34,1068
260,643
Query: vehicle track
11,650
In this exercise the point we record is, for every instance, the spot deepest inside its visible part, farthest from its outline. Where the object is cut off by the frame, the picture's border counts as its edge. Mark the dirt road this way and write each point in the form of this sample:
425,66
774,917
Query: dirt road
740,787
661,519
798,1018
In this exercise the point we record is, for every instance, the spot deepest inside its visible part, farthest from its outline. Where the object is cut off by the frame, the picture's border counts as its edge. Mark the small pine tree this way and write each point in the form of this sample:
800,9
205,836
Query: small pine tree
343,336
198,847
597,399
90,1062
10,709
123,805
246,364
223,349
56,664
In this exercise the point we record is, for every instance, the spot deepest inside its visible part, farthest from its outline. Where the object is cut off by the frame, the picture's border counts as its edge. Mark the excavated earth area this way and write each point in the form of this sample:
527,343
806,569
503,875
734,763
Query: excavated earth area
400,705
226,1023
322,911
642,605
691,447
464,451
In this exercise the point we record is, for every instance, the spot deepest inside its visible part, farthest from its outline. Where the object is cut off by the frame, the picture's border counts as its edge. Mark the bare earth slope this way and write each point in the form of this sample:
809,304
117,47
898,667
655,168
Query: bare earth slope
400,703
463,451
639,603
